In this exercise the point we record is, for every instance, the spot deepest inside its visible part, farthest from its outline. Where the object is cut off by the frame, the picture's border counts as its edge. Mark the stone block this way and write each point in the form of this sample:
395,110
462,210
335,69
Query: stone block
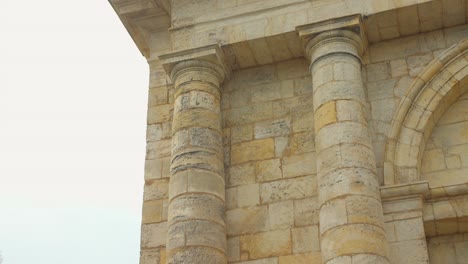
231,198
411,251
341,133
281,215
378,71
390,231
268,170
306,212
153,235
443,210
417,63
383,110
399,67
306,258
303,123
381,89
241,174
155,190
253,150
345,156
299,165
198,255
347,71
303,86
158,149
281,144
349,110
305,239
261,261
362,209
325,115
233,249
339,90
197,117
270,92
323,73
153,169
267,244
409,229
248,114
159,114
154,132
293,106
152,211
151,256
247,220
332,214
359,239
248,195
275,128
196,233
296,188
206,182
292,69
393,49
303,142
348,181
197,206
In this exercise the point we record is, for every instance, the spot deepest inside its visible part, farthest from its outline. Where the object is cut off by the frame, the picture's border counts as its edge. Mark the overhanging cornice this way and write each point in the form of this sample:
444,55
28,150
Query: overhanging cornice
141,18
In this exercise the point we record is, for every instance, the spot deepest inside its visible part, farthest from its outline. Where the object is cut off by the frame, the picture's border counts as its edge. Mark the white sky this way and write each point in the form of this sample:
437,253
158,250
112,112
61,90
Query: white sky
73,96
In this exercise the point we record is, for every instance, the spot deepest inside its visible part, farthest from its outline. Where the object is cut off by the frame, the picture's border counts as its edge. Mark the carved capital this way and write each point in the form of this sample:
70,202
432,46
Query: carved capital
208,59
344,35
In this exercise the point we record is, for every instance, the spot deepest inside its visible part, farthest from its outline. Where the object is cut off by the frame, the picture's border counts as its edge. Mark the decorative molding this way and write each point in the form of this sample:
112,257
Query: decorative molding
141,18
344,27
212,54
432,92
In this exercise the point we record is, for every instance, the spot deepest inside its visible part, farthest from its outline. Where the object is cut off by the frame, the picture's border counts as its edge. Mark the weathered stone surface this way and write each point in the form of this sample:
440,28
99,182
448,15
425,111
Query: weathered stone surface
279,127
196,255
153,235
281,215
197,206
306,239
296,188
309,258
196,233
241,174
248,195
247,220
267,244
306,212
152,211
253,150
299,165
268,170
269,146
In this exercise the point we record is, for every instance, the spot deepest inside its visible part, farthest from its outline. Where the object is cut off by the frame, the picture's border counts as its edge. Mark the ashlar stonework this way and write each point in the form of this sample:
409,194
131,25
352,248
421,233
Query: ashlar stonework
304,131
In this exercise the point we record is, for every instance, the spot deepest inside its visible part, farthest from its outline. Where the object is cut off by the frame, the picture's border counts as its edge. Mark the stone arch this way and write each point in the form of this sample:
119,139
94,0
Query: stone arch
432,92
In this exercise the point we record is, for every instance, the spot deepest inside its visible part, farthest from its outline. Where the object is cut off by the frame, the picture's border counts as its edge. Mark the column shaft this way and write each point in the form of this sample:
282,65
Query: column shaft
196,231
351,218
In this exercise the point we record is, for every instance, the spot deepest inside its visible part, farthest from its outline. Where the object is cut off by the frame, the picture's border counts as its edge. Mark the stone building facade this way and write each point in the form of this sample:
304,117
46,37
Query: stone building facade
304,131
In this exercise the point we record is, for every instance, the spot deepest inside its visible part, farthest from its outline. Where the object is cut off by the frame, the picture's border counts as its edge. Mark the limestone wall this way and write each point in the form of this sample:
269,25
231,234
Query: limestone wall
445,160
391,68
157,167
270,158
271,189
448,249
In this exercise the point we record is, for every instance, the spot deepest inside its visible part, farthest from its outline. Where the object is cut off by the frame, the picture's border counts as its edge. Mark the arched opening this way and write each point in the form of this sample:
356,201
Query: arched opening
445,158
442,82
